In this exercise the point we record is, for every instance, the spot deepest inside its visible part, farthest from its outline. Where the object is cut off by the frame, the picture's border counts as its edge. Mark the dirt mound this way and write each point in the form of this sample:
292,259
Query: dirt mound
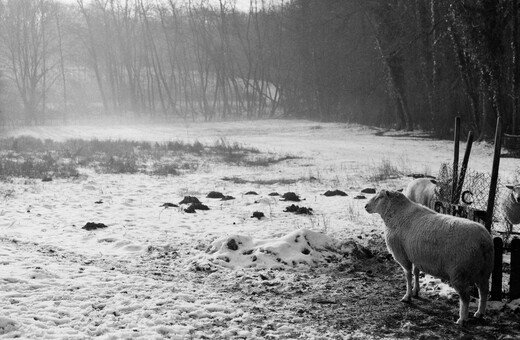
299,248
169,205
298,210
227,198
196,206
189,200
93,226
258,214
336,192
291,196
215,194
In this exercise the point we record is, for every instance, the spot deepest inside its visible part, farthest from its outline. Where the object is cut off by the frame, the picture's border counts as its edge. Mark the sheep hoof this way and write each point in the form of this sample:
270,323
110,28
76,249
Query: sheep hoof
406,298
478,315
460,322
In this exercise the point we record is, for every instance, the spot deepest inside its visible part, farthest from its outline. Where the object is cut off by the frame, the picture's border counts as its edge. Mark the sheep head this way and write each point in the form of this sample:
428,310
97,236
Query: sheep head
380,202
515,192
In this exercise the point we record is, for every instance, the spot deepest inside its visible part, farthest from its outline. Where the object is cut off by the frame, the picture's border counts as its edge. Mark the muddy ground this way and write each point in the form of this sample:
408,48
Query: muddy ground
347,299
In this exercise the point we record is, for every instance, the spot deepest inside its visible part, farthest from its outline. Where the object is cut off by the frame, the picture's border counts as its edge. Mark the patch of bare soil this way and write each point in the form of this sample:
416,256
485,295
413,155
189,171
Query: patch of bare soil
368,299
363,301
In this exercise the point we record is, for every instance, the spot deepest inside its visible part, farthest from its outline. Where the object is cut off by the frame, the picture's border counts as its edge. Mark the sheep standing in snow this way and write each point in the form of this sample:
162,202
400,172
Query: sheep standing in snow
448,247
511,204
422,191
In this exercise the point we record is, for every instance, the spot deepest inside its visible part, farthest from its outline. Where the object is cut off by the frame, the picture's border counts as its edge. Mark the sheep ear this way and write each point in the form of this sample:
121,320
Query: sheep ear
511,187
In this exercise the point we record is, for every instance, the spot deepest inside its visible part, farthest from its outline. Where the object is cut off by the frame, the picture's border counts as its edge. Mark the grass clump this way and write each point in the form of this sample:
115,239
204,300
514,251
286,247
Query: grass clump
222,146
238,154
233,153
280,181
121,165
33,167
267,161
35,158
171,169
179,146
352,212
383,171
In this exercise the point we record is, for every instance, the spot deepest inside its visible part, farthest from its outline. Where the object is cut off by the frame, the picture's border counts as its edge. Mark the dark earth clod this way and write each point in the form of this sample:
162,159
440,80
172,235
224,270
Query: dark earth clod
189,200
336,192
93,226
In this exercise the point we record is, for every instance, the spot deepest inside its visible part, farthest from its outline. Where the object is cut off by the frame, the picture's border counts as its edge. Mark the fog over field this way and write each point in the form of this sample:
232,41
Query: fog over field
385,64
201,169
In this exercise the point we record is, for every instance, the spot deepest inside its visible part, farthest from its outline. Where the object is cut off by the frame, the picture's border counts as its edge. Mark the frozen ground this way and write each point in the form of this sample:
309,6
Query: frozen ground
158,272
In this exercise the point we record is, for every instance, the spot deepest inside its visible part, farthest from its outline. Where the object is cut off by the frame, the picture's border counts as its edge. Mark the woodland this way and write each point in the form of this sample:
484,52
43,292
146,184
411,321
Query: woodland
402,64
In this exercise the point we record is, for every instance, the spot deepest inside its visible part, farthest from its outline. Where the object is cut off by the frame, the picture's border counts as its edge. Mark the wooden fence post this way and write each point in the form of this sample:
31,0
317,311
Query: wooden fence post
496,277
455,170
463,169
514,279
494,175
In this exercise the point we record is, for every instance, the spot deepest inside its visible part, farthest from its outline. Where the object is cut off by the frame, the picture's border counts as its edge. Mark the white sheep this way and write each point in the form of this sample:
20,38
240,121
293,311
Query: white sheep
445,246
510,204
422,191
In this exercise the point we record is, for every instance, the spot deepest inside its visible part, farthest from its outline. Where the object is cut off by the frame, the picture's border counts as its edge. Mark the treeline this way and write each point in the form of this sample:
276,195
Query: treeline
405,64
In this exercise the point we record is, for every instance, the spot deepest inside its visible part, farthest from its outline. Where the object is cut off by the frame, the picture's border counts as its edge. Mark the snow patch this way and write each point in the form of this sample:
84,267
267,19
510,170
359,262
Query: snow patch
514,305
173,332
494,305
40,273
435,286
302,247
7,325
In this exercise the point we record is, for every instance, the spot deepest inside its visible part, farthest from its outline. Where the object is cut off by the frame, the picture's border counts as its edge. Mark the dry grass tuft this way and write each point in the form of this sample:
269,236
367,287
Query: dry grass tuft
35,158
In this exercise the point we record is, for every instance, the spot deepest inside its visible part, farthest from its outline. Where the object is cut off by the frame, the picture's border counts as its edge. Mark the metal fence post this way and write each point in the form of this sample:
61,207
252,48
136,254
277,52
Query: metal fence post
514,280
496,277
463,168
494,175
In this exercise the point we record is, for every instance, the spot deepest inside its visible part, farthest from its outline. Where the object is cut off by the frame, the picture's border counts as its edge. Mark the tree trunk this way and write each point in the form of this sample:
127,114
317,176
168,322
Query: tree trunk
395,83
93,52
62,68
515,81
471,92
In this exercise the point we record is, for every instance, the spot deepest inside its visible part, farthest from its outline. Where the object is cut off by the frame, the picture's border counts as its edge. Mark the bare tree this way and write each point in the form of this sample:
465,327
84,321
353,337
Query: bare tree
29,50
88,39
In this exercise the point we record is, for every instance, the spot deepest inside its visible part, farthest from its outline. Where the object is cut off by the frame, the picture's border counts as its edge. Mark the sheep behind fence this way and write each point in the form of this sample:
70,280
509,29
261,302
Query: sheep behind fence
474,194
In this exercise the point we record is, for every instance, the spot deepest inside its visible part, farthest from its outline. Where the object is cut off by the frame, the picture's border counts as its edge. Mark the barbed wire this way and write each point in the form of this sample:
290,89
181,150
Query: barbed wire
475,193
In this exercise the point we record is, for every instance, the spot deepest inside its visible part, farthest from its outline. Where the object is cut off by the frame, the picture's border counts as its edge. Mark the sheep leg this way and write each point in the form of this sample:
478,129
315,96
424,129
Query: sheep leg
408,275
464,297
416,286
483,290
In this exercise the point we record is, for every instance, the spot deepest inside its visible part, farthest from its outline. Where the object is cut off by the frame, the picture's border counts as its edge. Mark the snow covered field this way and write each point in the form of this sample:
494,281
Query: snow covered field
158,272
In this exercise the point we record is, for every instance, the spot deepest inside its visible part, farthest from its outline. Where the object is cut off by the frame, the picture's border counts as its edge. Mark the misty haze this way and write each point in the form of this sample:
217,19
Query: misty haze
221,169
